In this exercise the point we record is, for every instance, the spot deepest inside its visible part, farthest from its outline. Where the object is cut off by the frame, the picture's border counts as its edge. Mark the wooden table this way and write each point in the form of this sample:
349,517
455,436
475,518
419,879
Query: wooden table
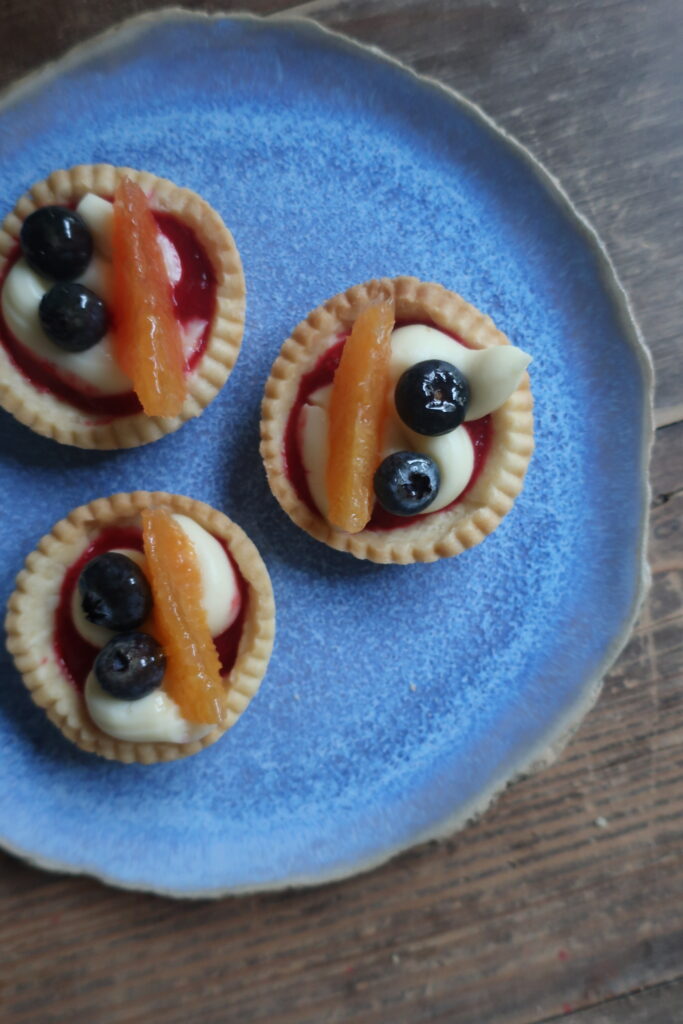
566,900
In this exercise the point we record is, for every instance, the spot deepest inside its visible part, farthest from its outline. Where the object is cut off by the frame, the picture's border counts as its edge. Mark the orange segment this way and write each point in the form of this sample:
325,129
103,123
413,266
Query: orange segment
193,671
357,406
147,340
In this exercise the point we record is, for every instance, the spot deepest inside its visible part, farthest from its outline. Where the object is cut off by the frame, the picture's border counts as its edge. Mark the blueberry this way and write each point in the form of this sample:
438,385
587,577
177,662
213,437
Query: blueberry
406,483
130,666
114,592
432,397
73,317
56,241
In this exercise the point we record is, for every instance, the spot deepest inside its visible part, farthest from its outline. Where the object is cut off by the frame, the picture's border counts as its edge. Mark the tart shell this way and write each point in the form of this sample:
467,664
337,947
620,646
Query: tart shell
32,606
52,417
435,536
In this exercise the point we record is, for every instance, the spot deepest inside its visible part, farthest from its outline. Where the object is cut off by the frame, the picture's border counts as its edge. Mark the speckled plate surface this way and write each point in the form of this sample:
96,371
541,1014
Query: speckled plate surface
399,699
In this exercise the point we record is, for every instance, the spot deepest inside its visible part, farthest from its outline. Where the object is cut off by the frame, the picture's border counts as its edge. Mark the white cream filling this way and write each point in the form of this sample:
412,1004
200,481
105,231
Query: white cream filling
24,288
98,214
21,294
174,267
157,718
453,454
493,374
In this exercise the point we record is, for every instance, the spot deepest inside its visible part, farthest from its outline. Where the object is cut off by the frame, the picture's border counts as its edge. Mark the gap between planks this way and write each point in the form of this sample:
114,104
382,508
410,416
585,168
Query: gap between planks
626,1001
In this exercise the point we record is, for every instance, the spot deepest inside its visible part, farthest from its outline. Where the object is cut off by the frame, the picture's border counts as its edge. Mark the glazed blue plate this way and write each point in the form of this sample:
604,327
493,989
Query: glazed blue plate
399,699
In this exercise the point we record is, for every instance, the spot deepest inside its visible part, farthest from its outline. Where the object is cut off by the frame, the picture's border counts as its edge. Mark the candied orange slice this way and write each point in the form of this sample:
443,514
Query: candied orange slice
357,407
193,671
147,341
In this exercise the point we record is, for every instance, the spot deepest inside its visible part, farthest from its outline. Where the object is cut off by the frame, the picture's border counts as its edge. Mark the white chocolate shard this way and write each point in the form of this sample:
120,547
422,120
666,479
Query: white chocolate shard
494,373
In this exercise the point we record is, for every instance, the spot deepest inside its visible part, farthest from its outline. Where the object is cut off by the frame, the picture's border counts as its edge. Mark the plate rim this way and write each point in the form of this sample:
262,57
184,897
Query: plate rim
550,746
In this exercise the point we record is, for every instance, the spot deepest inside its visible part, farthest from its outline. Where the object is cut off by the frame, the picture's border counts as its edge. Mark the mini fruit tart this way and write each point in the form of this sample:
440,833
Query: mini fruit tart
397,423
122,307
143,624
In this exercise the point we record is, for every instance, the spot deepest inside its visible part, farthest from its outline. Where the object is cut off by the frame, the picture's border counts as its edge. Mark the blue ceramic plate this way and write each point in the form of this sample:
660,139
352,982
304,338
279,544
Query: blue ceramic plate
399,699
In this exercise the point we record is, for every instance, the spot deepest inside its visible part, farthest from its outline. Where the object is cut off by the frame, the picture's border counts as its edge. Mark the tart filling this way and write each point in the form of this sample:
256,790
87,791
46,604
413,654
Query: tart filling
78,639
459,453
92,380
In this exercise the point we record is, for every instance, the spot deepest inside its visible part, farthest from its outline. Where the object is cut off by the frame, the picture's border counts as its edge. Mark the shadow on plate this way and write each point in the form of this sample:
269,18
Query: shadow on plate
22,445
17,709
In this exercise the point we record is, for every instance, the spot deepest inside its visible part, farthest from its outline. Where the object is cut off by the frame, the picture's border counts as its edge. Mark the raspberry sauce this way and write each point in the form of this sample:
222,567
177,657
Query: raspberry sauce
194,298
322,374
76,656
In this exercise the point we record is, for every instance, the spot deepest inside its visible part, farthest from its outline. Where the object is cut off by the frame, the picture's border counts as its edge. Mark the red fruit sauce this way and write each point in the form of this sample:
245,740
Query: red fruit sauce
76,655
194,298
320,376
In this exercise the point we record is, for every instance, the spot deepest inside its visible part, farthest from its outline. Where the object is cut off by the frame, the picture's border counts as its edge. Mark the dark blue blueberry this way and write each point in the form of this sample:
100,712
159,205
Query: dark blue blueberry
56,242
406,483
432,397
114,592
130,666
73,317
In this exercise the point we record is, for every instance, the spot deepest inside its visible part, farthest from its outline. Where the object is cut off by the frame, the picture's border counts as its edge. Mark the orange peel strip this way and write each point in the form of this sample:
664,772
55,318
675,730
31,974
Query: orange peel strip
147,340
193,671
356,416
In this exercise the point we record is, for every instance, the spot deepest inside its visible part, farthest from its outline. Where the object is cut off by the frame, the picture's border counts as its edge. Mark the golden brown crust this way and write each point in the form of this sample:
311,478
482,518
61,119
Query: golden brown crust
444,533
54,418
31,610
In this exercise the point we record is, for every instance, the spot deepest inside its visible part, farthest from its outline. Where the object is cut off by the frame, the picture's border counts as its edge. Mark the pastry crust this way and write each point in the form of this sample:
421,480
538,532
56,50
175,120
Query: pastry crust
32,606
444,533
52,417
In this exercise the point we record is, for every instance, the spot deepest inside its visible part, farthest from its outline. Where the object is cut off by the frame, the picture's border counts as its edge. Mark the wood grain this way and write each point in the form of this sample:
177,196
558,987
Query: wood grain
565,902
